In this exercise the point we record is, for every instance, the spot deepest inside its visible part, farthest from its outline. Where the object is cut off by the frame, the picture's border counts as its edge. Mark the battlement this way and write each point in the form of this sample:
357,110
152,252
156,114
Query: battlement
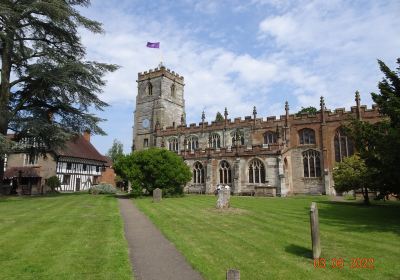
159,72
270,121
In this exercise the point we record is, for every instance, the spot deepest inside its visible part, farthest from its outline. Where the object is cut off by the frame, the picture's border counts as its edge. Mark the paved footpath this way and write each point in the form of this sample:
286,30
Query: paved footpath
152,256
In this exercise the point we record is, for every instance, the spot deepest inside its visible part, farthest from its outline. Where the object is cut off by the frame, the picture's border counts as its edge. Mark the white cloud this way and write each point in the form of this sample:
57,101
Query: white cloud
206,6
281,27
321,50
338,42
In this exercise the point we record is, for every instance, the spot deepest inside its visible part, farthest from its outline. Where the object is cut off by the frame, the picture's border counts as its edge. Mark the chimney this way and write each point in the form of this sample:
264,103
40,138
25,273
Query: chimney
86,135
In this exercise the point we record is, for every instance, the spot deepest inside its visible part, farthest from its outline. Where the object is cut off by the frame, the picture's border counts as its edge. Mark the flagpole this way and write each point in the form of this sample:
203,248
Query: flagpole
161,57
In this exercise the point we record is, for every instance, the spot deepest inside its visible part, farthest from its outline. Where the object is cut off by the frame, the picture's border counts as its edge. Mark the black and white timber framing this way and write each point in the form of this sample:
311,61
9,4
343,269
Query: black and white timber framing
77,174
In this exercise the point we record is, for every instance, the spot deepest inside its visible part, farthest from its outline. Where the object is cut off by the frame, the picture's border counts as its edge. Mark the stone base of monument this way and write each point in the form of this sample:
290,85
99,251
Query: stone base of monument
224,196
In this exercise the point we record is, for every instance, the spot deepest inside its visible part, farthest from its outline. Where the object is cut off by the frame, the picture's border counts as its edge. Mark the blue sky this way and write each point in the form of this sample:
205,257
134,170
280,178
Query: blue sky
240,54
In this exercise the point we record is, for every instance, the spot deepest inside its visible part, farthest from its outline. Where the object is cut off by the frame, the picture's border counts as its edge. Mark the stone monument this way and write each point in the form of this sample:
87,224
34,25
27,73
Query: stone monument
157,195
316,246
233,274
224,196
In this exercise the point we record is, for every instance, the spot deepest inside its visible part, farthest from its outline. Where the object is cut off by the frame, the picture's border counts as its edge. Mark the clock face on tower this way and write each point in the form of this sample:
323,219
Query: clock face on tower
146,123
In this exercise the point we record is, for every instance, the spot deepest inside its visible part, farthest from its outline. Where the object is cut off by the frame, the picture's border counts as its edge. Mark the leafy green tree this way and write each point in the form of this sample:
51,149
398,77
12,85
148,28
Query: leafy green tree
309,110
219,117
47,87
154,168
352,174
116,150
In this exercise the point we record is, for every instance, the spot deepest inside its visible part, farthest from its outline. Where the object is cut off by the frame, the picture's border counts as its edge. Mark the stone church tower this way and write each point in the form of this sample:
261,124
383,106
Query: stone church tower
159,104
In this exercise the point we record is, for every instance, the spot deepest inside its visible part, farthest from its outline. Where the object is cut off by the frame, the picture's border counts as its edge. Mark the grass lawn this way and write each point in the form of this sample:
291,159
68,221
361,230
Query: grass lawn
269,238
68,236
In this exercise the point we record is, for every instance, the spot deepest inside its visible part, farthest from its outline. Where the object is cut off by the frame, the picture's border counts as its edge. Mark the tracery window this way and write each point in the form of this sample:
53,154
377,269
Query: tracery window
307,136
269,137
344,146
198,173
311,164
256,171
238,138
193,143
225,176
215,141
173,144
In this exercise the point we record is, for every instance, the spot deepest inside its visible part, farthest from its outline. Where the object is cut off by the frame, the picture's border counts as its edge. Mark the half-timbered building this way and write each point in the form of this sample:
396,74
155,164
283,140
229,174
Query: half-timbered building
78,166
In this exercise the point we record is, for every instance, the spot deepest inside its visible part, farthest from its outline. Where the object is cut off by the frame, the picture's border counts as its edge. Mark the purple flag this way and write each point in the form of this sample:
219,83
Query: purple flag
153,45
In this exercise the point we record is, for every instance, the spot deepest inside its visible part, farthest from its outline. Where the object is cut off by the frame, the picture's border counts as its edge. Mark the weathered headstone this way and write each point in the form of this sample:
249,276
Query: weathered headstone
157,195
316,246
233,274
224,196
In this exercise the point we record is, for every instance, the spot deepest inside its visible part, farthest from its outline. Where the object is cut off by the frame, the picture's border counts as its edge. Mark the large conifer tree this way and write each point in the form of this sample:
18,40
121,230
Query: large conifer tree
47,87
379,143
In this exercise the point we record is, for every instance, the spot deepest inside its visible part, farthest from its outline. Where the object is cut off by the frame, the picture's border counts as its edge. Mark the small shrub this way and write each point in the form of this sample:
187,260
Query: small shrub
136,191
102,189
53,183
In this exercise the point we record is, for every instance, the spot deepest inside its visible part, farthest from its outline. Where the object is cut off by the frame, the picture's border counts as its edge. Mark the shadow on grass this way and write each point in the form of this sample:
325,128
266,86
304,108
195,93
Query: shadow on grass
299,251
123,195
357,217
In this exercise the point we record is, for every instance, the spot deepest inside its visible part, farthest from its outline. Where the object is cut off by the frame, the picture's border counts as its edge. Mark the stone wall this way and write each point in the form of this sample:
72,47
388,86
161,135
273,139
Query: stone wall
45,167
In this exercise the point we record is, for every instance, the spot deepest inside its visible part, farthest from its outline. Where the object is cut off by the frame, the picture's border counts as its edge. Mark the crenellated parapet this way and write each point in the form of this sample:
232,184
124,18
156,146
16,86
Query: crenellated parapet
160,72
270,122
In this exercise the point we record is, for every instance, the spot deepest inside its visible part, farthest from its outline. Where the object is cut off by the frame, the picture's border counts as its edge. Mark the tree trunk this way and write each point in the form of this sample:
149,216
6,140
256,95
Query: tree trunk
366,197
7,44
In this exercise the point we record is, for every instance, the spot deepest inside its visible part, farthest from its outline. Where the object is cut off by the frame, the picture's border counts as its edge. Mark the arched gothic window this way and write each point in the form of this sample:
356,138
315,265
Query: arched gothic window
344,146
193,143
149,89
307,136
225,176
311,164
198,173
269,137
173,90
173,144
215,141
238,138
256,172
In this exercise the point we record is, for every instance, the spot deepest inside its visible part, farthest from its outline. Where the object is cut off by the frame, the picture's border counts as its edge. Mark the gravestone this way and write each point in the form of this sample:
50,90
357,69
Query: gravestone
233,274
316,246
157,195
224,196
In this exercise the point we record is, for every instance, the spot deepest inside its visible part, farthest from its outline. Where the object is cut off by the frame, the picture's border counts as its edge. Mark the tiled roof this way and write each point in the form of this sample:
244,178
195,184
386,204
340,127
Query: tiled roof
79,147
109,161
26,172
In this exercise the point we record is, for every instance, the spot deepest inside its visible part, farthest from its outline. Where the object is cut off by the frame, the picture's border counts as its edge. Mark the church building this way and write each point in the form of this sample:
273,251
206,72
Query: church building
292,154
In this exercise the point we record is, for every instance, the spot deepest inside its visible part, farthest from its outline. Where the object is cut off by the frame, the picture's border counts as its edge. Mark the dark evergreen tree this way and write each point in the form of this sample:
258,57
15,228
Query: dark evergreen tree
219,117
47,87
379,143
